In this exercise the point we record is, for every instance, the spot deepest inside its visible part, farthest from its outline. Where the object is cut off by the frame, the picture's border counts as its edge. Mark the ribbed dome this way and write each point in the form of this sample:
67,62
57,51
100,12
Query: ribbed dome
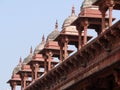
87,3
40,46
70,19
28,58
18,67
54,33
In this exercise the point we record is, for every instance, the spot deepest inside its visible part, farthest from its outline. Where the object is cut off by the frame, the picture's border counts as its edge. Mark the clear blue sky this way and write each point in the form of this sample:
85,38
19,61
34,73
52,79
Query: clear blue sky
22,24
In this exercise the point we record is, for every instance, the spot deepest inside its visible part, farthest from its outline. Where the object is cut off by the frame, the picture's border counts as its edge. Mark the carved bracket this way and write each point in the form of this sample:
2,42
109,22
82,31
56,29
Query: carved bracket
116,74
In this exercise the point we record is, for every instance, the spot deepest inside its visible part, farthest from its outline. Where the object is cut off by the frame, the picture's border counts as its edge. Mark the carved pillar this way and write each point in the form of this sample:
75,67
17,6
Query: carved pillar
61,53
85,31
111,4
110,15
49,54
103,21
79,38
65,48
13,86
35,69
61,50
33,74
45,64
23,81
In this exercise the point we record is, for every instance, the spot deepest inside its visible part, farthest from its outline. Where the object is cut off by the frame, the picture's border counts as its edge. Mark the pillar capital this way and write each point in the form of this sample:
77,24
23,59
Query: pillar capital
66,39
35,65
12,84
60,42
84,22
110,3
49,53
23,75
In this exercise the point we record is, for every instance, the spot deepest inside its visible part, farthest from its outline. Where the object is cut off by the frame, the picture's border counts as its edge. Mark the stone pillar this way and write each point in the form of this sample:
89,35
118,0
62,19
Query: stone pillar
65,48
110,15
33,74
49,54
23,81
103,21
85,32
35,69
61,50
13,86
79,39
45,64
111,5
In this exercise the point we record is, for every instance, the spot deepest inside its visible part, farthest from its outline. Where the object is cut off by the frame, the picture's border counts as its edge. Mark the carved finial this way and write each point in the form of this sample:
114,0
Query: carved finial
20,61
43,38
31,50
73,10
56,25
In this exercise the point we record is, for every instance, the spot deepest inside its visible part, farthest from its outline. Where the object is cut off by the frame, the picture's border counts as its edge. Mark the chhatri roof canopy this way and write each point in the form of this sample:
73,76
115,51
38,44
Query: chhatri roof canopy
28,58
70,31
40,46
54,33
104,4
18,67
70,19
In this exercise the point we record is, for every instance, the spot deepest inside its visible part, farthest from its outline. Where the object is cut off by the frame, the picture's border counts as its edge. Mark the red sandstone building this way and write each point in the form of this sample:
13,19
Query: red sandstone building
95,65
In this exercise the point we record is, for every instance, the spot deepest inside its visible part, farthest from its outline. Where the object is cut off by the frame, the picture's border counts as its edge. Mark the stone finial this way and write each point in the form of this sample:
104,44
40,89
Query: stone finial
31,50
56,25
73,10
20,61
43,38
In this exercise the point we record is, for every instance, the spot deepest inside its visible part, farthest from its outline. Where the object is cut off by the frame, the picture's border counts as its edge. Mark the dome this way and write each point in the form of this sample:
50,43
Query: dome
40,46
18,67
54,33
87,3
70,19
28,58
